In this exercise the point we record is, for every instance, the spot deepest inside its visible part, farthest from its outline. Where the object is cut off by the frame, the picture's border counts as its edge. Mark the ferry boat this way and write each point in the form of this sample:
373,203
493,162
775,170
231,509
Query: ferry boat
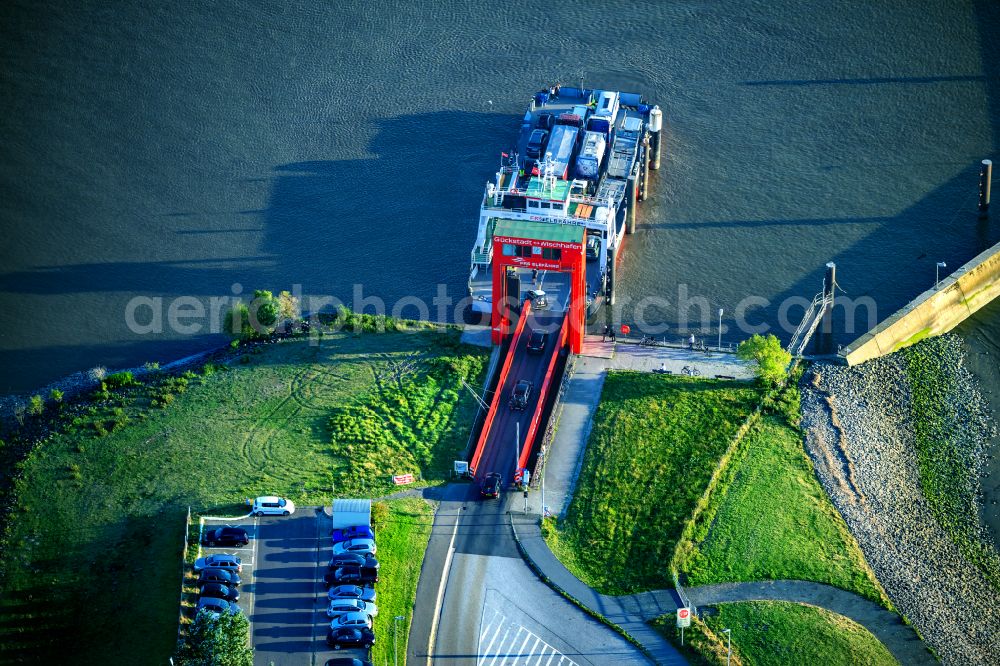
582,158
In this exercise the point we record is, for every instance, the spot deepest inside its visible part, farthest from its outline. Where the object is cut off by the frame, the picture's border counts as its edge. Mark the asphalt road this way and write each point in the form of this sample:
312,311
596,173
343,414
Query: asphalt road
494,610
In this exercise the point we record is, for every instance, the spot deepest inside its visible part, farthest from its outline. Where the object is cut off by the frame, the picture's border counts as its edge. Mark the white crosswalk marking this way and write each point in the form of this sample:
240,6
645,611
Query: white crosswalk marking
512,647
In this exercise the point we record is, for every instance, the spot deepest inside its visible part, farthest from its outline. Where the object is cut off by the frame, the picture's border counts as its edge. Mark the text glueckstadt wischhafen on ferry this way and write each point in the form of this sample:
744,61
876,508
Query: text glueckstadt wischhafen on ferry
582,158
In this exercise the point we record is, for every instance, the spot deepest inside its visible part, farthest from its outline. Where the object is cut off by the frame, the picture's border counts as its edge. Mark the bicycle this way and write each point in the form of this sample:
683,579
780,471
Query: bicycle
691,371
648,340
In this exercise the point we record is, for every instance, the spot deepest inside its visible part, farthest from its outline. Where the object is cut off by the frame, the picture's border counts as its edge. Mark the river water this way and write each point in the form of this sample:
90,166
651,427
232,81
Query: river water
183,148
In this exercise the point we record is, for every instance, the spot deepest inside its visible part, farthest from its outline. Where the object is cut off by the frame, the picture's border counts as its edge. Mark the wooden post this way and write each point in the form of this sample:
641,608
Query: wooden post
985,176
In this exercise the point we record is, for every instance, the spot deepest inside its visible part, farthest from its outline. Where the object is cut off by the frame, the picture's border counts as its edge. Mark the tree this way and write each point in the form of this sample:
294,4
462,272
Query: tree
37,405
237,322
264,311
216,641
288,307
771,360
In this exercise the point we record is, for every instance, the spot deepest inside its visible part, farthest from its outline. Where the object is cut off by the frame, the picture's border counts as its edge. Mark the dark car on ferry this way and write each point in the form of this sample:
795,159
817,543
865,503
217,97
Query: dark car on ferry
536,342
491,485
226,537
519,396
545,121
536,143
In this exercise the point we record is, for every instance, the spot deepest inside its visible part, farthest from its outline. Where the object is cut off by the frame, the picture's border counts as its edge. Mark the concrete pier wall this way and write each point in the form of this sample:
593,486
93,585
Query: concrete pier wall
936,311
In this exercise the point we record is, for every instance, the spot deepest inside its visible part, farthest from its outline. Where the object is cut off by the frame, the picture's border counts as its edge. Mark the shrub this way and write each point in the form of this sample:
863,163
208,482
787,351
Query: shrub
120,380
380,513
56,395
165,400
36,405
288,306
97,374
151,366
222,641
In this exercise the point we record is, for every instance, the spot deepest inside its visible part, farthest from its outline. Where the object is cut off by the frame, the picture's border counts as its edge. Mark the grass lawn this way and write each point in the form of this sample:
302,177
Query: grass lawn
402,540
766,633
769,519
654,445
99,520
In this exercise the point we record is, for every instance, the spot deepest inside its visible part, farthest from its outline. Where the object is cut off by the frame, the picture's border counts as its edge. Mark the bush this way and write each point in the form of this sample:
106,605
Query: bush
120,380
98,374
221,641
380,513
151,366
56,395
36,405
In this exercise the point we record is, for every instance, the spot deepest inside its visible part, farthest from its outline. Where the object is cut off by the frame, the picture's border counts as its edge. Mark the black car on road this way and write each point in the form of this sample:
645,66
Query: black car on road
536,342
350,575
225,537
492,484
519,396
350,637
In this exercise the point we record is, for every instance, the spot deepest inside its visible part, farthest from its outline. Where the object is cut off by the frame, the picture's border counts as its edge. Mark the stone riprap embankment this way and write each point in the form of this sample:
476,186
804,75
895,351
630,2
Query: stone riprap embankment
861,439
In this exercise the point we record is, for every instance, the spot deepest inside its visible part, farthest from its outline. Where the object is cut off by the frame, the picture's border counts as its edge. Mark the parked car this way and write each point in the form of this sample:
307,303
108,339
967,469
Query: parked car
492,484
347,661
350,575
223,576
536,143
339,607
225,537
519,396
216,606
539,299
536,342
593,247
350,637
272,506
219,561
353,532
360,546
354,559
351,620
219,591
352,592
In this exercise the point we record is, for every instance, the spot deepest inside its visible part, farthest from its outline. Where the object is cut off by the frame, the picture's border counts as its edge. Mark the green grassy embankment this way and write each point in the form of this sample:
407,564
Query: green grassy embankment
402,540
949,417
97,532
769,519
654,445
766,633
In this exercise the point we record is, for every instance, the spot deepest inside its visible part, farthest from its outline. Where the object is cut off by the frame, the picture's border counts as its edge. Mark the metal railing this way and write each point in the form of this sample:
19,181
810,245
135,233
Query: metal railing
814,313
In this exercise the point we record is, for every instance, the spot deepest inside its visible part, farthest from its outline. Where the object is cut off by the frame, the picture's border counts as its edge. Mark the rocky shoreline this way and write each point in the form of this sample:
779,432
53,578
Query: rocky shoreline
861,438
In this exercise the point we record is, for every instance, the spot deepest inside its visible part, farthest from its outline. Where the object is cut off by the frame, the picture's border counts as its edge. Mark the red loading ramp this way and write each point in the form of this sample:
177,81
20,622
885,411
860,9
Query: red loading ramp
498,448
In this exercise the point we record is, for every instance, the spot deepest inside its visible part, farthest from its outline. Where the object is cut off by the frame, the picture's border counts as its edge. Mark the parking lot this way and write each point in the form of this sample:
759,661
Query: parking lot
283,593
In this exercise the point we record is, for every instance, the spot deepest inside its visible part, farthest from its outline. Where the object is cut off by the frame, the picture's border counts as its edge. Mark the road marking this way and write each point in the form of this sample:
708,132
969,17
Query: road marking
440,595
507,648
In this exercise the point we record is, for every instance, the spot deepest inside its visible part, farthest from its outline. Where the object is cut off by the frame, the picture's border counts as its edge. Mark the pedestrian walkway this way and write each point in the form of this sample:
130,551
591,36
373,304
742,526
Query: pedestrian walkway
630,614
647,358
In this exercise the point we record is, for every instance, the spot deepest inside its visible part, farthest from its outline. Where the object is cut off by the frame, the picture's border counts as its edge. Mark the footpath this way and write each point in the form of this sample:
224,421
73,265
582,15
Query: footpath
632,613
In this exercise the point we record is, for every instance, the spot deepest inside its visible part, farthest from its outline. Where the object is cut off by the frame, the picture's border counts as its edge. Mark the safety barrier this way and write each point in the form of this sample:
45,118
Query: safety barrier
488,423
522,462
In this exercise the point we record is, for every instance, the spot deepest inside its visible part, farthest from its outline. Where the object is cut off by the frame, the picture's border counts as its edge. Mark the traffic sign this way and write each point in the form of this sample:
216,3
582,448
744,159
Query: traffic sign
683,617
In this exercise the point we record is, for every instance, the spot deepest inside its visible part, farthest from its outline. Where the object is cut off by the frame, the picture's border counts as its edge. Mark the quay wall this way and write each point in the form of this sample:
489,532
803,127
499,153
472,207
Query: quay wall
936,311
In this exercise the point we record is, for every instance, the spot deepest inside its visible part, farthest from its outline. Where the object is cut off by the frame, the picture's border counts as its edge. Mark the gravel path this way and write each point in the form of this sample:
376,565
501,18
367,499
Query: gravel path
861,441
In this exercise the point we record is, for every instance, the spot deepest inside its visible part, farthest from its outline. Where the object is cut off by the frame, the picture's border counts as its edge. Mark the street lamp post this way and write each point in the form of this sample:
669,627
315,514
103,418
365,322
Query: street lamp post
395,653
541,452
720,329
729,644
937,272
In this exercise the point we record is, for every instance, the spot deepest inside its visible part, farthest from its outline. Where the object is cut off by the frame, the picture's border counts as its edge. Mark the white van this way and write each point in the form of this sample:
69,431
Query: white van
272,506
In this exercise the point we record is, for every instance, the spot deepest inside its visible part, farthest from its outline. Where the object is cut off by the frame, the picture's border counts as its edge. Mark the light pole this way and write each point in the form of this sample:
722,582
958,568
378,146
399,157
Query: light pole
517,445
937,272
395,654
541,452
720,329
729,644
